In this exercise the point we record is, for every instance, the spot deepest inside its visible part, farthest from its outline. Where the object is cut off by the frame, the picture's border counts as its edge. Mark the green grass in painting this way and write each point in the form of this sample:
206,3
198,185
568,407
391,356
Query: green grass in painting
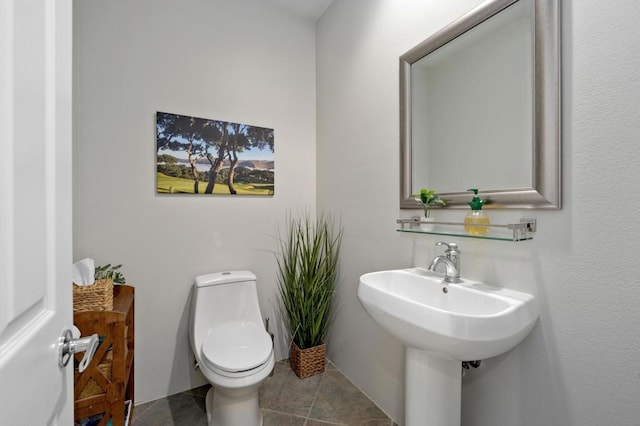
172,185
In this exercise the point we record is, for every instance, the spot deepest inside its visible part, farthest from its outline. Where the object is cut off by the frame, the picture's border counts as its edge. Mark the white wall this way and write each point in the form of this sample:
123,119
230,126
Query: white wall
579,366
240,61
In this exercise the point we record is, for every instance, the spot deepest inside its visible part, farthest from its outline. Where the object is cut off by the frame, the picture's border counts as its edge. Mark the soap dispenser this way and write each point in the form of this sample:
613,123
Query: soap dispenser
476,216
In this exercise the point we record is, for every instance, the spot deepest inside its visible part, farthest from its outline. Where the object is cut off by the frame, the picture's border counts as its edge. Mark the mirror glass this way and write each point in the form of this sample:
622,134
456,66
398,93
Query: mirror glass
473,99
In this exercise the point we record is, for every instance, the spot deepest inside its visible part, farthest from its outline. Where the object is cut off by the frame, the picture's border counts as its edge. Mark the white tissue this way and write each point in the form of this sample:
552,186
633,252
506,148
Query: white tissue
83,272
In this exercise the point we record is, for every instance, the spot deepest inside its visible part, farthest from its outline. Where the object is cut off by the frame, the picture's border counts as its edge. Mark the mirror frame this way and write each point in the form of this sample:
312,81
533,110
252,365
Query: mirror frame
546,138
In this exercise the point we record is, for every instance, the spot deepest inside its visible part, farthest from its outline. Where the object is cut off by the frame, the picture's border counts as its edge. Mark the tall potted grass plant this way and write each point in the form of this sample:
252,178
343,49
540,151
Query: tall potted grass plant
307,270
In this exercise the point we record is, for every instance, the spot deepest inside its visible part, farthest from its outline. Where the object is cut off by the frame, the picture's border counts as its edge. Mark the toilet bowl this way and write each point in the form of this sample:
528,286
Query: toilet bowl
231,346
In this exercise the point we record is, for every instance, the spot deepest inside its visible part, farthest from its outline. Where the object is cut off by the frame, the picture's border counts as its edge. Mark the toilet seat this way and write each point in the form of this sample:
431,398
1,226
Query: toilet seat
237,349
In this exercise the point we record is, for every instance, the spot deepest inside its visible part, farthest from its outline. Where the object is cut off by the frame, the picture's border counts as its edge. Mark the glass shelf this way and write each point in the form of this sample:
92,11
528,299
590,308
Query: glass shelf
498,232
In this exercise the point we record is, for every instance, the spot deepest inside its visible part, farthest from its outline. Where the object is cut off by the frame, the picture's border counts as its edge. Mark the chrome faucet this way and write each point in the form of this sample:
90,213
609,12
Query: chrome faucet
451,261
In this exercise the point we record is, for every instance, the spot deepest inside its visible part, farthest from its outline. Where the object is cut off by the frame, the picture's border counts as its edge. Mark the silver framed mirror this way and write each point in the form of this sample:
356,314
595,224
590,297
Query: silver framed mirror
480,107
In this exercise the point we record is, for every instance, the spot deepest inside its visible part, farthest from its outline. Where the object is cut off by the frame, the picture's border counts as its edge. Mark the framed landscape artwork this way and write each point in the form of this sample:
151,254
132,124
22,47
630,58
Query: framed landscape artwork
212,157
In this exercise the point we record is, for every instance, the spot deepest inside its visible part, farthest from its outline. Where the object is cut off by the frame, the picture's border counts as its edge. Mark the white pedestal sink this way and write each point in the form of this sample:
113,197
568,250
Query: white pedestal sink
441,325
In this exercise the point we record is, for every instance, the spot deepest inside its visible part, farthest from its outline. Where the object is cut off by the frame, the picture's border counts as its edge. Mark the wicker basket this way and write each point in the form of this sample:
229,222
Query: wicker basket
95,297
307,362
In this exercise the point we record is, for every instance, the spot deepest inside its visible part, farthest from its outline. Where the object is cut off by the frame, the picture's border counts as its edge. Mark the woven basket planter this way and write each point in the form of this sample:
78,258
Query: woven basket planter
94,297
307,362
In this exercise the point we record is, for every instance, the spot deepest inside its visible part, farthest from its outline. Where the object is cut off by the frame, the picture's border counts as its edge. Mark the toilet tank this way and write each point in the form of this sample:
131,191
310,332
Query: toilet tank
224,296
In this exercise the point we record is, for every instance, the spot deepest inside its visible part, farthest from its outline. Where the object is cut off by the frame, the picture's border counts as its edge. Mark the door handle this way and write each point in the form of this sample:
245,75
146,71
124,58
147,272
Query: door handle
70,345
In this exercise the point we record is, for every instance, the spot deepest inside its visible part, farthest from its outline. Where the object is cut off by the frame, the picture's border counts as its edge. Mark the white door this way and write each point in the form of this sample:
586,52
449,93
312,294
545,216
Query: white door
35,211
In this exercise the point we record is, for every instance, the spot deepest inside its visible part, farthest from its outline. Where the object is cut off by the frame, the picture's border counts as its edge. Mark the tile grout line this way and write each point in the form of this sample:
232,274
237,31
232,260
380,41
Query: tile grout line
391,421
141,414
317,392
283,413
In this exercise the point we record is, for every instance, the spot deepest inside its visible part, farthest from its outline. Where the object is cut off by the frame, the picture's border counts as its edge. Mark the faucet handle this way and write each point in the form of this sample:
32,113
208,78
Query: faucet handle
451,250
450,246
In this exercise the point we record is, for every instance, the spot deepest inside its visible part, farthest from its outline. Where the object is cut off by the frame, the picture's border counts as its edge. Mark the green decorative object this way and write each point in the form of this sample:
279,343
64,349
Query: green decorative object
476,203
307,271
107,271
428,199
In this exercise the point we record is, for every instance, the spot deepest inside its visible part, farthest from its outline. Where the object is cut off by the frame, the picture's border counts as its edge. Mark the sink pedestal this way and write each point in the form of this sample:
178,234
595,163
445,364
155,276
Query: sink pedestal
433,389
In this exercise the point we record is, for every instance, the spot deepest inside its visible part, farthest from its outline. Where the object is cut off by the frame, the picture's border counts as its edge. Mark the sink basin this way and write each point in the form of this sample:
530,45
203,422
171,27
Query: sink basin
467,321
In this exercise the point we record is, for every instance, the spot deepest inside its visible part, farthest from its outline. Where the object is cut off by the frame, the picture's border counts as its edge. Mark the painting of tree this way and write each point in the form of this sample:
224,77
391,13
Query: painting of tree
212,157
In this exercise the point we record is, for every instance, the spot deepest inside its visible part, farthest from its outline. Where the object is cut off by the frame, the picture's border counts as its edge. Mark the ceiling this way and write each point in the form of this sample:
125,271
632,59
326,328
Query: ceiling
308,9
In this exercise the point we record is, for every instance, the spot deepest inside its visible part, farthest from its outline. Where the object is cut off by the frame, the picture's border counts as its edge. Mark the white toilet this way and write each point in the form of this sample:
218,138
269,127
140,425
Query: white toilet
231,346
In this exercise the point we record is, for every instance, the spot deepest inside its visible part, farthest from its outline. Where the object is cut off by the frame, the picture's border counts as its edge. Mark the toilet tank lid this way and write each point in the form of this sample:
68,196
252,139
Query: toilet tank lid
224,277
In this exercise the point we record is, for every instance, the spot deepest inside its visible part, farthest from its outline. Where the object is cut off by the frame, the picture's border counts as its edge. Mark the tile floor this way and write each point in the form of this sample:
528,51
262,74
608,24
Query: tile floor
321,400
